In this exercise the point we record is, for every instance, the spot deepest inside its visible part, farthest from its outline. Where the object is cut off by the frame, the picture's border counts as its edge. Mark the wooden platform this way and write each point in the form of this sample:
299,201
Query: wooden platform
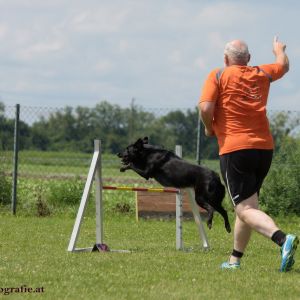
155,205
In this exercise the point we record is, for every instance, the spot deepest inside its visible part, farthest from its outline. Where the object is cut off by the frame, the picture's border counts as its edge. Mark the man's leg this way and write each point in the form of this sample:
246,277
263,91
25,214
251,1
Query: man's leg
249,217
248,212
242,234
243,172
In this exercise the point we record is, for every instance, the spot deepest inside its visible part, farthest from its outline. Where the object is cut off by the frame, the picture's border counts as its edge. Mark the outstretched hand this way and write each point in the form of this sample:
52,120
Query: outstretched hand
280,55
278,47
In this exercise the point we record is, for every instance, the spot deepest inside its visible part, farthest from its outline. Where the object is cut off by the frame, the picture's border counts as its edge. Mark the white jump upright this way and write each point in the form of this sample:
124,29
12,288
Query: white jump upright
95,174
195,211
198,219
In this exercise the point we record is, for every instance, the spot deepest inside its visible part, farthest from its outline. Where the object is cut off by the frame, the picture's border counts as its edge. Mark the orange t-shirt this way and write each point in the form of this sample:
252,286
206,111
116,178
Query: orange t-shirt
241,93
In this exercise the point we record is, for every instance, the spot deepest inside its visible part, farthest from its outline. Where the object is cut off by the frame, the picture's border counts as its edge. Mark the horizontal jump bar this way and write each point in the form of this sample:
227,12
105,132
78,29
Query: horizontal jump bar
140,189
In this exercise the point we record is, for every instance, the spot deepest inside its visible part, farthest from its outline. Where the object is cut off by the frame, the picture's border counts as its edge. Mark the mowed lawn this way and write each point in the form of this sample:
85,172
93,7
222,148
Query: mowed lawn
34,253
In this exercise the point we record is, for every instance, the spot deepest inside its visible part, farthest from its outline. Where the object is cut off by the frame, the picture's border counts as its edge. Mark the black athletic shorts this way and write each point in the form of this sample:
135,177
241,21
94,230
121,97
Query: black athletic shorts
244,171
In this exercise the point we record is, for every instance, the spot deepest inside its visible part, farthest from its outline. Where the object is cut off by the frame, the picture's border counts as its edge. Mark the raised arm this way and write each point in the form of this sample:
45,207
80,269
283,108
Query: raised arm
280,55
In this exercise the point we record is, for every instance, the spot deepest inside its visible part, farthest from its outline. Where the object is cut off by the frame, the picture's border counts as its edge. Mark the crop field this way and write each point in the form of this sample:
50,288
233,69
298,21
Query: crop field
62,165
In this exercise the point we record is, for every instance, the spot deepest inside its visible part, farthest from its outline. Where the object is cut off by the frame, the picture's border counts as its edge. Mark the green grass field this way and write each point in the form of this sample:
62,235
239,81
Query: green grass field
34,250
33,253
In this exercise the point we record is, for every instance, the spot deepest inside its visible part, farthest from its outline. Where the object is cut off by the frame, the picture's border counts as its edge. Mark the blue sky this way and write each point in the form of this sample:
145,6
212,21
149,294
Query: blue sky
79,52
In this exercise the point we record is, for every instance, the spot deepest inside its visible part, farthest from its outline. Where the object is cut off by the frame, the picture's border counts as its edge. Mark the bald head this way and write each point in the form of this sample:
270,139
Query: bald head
236,53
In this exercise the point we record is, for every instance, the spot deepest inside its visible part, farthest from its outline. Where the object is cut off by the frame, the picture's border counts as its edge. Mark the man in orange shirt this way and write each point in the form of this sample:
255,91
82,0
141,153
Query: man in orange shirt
233,107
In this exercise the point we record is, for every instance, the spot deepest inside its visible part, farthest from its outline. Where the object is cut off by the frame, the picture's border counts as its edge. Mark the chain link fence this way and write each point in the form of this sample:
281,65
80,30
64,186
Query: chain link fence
63,162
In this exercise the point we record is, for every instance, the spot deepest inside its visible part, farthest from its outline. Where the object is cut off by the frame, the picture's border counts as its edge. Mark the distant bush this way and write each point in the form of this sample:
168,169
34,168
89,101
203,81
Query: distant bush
62,197
67,192
42,207
31,197
122,202
281,190
5,189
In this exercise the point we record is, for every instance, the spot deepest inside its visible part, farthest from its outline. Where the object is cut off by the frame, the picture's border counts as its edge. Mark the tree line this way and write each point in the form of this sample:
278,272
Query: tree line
74,129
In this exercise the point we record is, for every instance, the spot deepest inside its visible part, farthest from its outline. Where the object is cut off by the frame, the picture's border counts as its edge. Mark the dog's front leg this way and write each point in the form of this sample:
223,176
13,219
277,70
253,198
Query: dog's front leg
143,173
124,168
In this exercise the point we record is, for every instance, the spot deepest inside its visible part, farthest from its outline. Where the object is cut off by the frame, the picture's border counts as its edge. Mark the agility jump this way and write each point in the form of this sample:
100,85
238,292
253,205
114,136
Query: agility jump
95,174
141,189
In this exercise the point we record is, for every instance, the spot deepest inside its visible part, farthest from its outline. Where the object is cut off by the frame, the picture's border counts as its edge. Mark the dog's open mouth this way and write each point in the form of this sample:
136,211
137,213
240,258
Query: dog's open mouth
124,161
124,158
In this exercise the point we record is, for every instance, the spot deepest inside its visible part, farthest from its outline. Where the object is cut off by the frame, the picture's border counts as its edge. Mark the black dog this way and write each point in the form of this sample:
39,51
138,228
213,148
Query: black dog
151,161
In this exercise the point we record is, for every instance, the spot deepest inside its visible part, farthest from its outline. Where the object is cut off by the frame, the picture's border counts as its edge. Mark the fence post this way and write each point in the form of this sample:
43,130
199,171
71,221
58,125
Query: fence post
15,161
199,140
179,213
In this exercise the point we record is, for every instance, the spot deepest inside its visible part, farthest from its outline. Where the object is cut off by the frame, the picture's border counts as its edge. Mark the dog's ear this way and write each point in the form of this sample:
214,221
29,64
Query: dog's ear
139,144
145,140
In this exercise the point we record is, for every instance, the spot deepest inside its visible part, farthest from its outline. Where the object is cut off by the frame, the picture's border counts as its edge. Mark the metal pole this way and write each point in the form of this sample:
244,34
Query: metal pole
98,193
179,214
199,140
16,156
131,119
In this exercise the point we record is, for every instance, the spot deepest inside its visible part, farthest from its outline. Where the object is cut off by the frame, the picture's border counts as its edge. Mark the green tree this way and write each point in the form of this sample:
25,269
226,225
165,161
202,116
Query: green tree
39,135
177,128
282,186
7,128
110,125
58,132
283,124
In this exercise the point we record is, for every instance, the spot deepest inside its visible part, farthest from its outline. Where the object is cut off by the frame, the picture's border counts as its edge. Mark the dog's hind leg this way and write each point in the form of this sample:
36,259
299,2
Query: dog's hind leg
210,211
217,193
224,214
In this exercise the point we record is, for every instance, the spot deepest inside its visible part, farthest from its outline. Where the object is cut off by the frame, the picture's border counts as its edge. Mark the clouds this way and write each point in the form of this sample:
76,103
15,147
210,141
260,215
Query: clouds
3,31
42,48
228,14
64,52
107,19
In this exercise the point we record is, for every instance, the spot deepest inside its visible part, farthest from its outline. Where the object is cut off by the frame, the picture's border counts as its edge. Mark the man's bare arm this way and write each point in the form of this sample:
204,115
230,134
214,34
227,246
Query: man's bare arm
280,55
207,109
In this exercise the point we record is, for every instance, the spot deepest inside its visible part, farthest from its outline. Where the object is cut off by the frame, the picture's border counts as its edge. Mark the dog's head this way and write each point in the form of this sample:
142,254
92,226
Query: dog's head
133,151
